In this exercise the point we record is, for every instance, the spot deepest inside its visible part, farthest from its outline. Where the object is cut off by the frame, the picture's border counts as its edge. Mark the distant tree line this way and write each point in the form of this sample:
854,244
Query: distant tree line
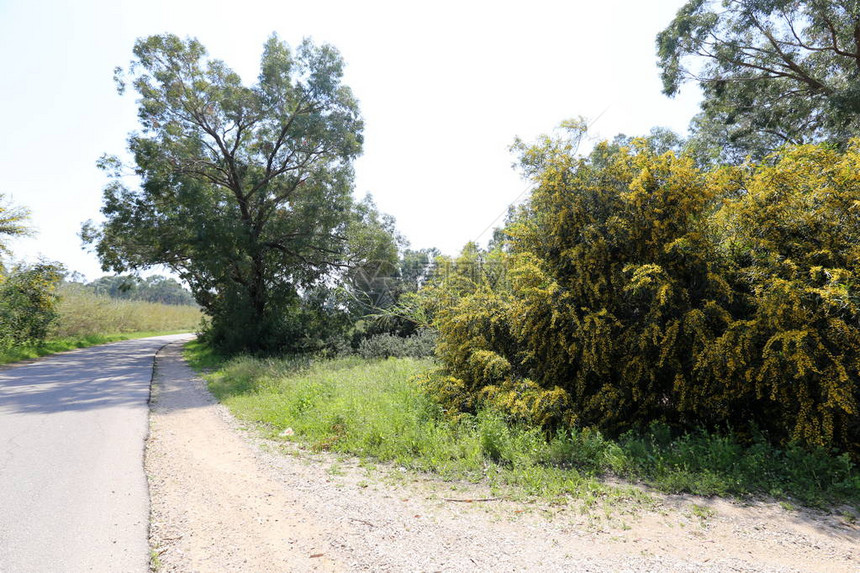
155,288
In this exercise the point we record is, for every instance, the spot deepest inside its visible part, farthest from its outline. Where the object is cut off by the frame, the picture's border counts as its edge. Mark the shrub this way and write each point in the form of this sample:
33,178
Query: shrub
641,289
386,345
610,274
28,304
790,358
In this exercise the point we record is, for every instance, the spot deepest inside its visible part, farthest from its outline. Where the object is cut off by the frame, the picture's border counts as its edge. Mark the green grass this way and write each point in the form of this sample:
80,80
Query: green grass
370,408
718,464
54,346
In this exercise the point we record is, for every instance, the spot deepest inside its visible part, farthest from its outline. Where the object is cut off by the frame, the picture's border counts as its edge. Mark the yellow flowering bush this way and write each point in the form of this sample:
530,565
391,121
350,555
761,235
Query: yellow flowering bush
639,288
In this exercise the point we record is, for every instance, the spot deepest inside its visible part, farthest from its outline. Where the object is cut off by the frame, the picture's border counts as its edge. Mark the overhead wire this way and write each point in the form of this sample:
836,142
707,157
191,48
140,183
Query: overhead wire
528,186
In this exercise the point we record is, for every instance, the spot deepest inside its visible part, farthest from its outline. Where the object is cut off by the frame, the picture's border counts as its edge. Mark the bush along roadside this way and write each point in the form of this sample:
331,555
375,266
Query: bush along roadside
375,409
635,287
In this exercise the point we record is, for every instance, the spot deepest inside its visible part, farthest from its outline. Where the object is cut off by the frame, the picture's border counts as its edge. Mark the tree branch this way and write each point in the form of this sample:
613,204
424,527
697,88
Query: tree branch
790,63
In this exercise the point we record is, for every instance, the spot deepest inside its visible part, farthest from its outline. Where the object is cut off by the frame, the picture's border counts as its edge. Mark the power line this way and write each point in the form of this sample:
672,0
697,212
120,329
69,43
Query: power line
505,210
528,187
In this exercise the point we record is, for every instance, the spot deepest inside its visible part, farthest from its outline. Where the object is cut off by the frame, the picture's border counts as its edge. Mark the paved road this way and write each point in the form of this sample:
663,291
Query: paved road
73,494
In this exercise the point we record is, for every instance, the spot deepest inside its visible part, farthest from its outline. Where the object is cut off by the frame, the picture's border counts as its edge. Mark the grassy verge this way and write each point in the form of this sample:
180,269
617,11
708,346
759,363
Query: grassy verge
371,409
70,343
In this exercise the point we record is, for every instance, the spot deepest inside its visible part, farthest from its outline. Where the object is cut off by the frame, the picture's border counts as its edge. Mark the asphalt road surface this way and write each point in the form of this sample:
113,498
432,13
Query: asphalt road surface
73,494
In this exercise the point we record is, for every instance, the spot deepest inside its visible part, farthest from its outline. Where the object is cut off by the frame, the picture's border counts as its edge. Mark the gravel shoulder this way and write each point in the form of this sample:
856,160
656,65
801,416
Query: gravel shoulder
225,499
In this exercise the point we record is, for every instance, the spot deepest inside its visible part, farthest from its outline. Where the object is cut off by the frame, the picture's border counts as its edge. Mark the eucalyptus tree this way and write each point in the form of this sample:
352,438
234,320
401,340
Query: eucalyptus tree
772,72
244,191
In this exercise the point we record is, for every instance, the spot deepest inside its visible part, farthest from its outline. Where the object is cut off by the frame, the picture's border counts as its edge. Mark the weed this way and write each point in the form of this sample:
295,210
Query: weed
718,464
702,512
372,409
419,345
787,506
154,561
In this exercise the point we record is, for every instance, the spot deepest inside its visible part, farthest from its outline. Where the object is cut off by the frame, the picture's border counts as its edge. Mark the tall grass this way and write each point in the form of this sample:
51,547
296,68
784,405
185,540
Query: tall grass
83,313
86,319
372,408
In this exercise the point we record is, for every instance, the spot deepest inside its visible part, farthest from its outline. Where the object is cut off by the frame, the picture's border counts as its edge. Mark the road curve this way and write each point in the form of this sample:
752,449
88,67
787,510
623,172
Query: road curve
73,494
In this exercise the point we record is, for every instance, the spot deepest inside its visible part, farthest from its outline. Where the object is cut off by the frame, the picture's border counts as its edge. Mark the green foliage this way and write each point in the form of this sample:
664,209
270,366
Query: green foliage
371,284
638,288
775,72
202,357
371,408
28,297
401,310
719,464
28,304
388,315
13,222
387,345
345,405
246,190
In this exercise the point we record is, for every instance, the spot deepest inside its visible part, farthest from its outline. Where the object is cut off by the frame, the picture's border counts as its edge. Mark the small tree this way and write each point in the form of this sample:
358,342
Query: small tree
28,303
28,294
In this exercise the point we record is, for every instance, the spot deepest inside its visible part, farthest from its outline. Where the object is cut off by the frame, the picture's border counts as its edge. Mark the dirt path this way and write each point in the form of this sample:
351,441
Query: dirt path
226,500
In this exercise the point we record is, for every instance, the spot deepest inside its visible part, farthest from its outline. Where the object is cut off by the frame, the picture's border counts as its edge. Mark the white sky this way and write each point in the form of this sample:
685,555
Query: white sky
444,87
